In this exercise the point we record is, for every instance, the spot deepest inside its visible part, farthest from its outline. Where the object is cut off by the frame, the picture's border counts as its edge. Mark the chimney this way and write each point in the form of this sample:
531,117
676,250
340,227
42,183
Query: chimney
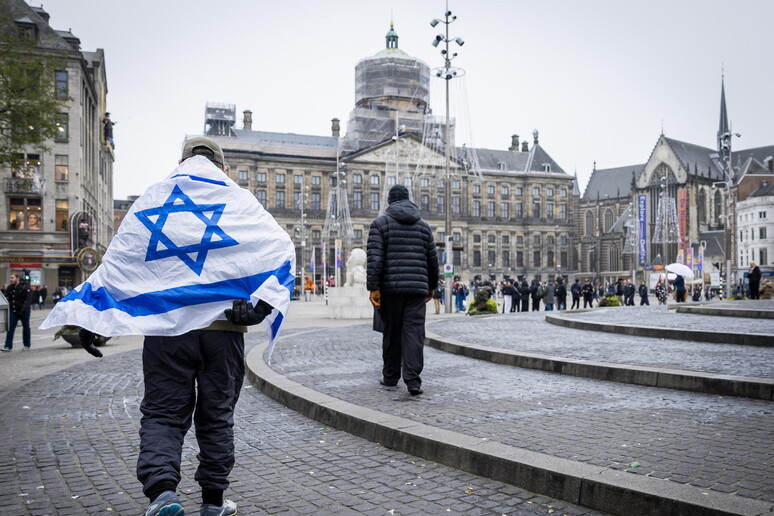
524,146
247,120
335,127
514,143
769,161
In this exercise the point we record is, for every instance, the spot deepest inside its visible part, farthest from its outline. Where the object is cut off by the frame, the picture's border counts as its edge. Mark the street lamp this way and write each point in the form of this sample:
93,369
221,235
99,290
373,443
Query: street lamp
728,171
447,73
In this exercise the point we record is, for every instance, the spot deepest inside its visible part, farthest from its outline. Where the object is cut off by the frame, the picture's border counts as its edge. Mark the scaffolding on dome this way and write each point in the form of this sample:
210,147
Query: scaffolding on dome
386,84
219,119
463,153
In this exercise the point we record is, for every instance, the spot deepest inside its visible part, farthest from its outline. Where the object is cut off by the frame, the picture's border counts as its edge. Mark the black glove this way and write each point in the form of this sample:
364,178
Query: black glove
87,342
242,312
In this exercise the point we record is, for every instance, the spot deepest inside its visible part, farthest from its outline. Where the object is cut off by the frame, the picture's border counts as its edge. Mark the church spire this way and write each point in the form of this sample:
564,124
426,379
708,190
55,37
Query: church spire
724,133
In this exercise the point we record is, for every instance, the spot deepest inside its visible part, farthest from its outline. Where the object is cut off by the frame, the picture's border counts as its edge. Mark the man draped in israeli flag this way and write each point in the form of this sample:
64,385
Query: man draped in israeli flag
188,247
195,261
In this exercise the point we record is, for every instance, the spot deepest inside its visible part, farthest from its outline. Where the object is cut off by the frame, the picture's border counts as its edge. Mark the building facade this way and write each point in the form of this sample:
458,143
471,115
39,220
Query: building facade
58,205
678,206
514,216
755,229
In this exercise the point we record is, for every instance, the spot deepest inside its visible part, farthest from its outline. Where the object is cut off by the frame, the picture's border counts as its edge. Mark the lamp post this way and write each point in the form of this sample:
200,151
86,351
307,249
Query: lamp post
447,73
728,170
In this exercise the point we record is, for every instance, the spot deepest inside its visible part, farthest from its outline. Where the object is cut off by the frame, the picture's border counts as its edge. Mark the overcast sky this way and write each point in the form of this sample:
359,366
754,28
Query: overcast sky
598,79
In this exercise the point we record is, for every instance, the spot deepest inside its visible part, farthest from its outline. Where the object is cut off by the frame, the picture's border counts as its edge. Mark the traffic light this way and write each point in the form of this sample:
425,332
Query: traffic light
26,275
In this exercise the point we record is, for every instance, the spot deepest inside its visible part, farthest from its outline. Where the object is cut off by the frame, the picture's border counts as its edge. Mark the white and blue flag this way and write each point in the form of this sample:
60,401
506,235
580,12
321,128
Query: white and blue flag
189,246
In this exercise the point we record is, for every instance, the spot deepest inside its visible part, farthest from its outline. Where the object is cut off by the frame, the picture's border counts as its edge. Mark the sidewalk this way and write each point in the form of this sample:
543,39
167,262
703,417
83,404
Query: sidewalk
71,438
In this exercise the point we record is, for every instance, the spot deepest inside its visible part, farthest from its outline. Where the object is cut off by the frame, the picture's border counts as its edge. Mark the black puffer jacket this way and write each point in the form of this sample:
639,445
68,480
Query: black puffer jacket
401,252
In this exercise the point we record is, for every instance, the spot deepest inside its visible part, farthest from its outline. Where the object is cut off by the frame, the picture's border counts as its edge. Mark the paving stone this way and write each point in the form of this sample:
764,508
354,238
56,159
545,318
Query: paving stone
529,333
79,438
612,425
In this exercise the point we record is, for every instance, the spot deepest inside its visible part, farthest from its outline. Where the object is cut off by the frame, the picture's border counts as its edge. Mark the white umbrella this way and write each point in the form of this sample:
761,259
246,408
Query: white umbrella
681,270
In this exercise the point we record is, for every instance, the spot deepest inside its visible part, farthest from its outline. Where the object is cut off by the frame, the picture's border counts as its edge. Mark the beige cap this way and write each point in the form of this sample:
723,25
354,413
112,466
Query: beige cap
199,146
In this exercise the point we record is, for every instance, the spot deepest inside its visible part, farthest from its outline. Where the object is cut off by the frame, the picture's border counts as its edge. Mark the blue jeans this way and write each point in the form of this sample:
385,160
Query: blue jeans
13,320
549,307
460,302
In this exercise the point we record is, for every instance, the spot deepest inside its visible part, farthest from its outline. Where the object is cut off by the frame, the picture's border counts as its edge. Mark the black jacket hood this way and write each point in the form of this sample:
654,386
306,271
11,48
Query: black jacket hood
404,211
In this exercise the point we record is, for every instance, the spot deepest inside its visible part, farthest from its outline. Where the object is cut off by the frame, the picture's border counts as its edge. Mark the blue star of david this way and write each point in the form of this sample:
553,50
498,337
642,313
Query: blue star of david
178,202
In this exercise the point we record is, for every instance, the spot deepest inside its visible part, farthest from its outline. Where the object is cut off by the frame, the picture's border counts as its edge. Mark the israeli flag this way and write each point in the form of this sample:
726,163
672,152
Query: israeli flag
189,246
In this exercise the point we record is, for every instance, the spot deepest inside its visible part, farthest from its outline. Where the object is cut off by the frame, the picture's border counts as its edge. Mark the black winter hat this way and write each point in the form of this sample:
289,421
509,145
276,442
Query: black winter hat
397,193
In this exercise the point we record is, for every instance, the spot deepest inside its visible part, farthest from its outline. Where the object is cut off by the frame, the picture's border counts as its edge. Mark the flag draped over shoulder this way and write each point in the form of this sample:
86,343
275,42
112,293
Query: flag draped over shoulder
189,246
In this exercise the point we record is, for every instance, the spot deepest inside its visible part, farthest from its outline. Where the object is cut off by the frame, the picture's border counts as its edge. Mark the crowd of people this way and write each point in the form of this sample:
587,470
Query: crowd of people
524,295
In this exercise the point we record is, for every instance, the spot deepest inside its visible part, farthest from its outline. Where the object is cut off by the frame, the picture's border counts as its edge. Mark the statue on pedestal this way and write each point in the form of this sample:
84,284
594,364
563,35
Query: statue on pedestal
356,268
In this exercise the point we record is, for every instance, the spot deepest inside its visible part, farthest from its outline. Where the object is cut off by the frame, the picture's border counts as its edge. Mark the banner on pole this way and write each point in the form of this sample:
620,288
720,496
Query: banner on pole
700,259
682,217
338,253
642,214
689,257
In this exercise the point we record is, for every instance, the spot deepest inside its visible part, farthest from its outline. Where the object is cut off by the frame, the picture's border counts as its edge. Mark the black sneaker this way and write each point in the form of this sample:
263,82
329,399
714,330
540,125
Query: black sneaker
416,391
385,383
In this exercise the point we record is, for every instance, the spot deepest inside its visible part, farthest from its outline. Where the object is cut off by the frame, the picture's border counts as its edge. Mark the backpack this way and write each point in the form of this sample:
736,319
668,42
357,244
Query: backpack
540,292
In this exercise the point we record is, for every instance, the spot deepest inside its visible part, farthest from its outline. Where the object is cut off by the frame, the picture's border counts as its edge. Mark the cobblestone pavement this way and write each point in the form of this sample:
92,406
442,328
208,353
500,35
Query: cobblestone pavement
717,443
529,333
70,443
658,316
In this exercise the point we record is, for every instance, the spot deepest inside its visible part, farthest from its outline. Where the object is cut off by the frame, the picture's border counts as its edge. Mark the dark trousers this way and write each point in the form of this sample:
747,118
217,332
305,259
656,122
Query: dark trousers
588,301
196,376
644,301
536,305
755,287
515,304
575,302
524,303
403,339
13,320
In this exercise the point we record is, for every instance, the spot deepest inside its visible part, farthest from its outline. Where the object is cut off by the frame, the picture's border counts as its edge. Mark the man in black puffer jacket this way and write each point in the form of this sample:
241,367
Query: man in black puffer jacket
402,275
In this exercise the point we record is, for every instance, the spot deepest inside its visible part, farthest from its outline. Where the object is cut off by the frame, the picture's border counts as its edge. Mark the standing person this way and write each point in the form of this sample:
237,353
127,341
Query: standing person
643,291
525,292
679,285
561,294
19,297
619,292
588,292
460,292
575,290
515,297
107,129
661,292
754,276
696,293
35,297
536,293
402,275
193,351
549,297
629,292
43,296
438,296
508,297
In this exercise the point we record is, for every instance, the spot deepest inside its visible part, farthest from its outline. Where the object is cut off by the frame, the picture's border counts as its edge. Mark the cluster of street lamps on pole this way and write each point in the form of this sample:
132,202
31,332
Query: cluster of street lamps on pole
447,73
